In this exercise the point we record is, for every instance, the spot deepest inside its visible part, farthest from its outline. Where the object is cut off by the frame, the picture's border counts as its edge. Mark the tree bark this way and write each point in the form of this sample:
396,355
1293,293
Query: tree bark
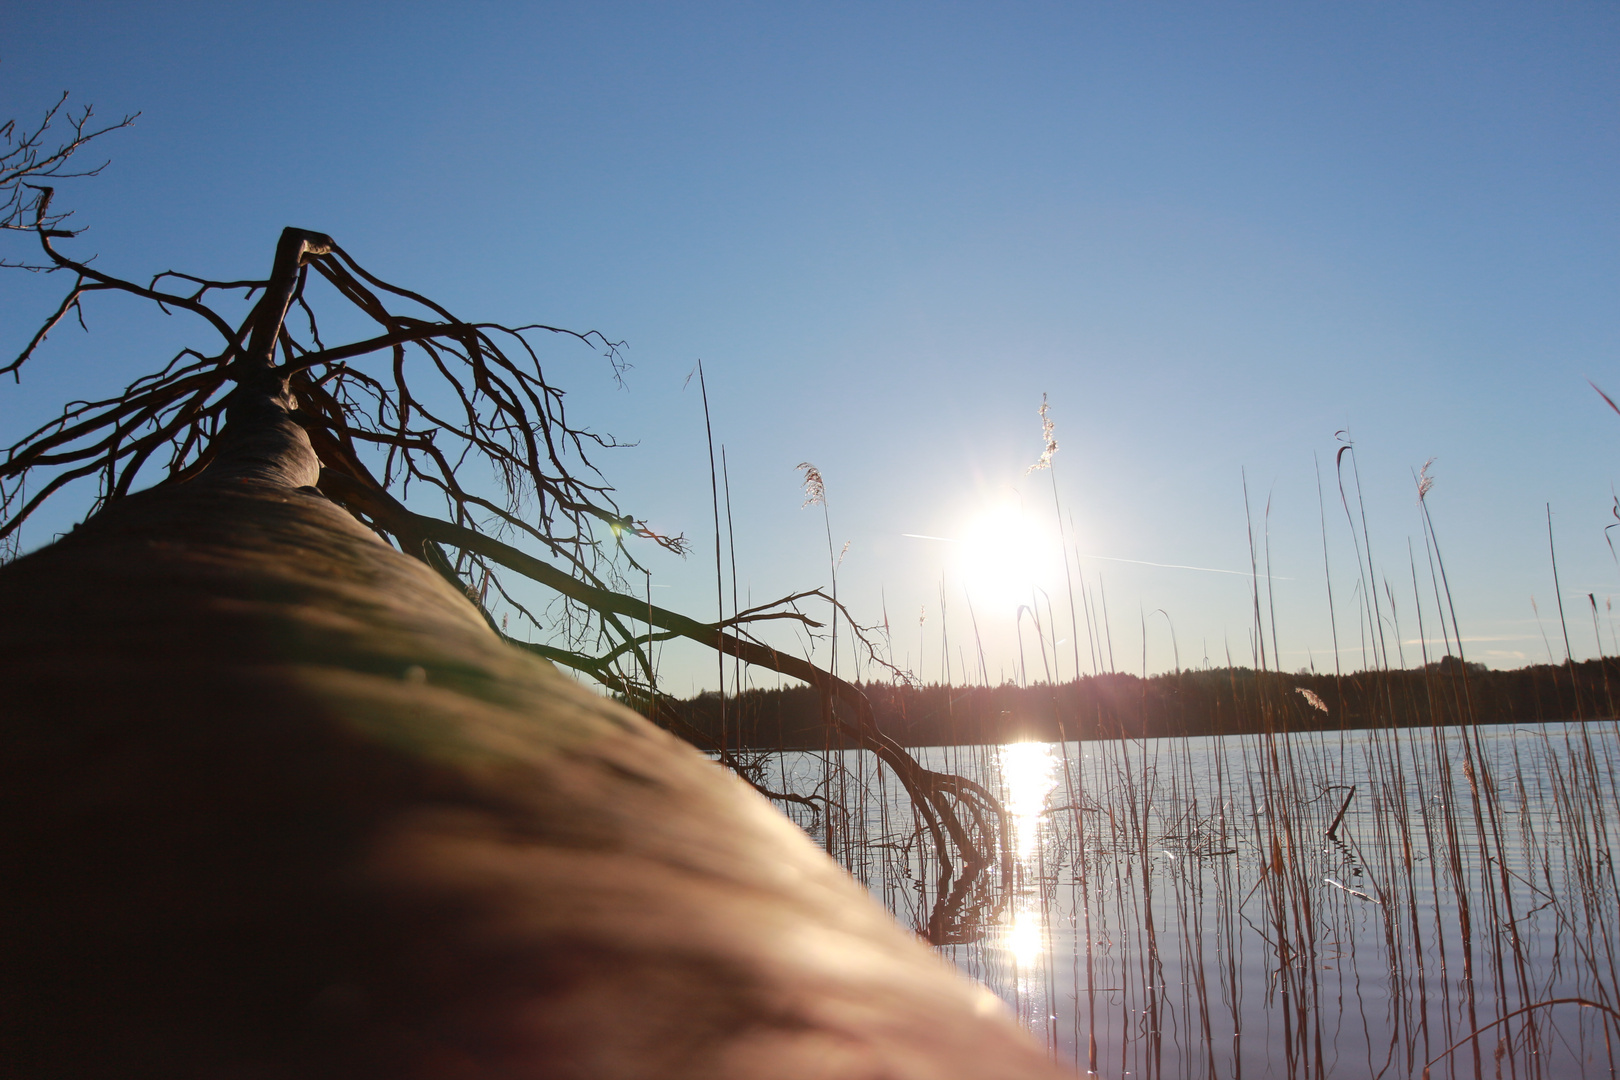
276,802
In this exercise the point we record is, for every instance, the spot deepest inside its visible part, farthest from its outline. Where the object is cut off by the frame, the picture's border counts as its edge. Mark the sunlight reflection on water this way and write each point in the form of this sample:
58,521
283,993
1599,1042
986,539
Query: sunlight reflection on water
1029,773
1025,938
1028,777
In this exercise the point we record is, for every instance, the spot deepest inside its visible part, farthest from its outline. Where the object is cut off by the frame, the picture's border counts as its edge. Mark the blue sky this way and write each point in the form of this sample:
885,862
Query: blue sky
1213,235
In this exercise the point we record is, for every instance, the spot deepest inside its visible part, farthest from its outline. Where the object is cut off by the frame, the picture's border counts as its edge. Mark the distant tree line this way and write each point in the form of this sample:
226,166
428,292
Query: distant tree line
1223,701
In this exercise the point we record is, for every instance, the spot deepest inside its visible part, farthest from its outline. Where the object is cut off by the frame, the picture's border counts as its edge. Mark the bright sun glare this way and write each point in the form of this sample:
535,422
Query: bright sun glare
1003,554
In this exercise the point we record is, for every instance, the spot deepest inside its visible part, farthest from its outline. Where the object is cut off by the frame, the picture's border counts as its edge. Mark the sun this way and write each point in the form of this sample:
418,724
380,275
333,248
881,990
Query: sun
1003,554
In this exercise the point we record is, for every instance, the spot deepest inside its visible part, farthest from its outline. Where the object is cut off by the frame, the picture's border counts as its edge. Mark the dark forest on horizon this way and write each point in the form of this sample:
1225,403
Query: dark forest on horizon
1219,701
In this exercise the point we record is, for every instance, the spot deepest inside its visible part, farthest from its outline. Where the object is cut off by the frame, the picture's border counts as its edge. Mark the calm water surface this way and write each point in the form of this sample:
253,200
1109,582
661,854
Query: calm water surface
1341,904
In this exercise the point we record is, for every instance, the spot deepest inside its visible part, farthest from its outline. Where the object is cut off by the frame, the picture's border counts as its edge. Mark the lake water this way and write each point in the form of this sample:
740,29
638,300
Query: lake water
1326,905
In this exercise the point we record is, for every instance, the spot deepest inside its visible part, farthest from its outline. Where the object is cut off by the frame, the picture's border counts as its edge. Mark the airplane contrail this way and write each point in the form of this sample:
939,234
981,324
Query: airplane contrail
1112,558
1178,566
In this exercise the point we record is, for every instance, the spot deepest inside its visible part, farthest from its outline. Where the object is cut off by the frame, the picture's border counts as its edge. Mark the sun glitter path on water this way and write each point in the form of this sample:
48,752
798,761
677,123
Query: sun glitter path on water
1028,775
1025,939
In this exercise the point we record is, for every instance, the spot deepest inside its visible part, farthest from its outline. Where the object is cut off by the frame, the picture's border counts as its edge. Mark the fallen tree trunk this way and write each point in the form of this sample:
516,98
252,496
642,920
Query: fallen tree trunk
275,801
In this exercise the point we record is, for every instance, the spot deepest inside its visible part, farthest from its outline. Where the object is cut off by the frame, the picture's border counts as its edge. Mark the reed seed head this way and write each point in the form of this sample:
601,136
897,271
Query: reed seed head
1425,481
815,492
1050,442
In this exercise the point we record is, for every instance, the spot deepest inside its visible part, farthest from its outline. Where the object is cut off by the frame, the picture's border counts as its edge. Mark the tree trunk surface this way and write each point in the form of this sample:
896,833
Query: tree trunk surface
275,802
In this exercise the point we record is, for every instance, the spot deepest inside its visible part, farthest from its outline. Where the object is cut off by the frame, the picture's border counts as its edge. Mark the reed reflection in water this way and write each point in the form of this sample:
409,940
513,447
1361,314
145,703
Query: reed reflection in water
1350,904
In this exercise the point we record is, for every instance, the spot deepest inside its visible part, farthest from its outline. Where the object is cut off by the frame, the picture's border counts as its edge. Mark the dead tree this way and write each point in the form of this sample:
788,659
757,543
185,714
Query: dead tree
277,797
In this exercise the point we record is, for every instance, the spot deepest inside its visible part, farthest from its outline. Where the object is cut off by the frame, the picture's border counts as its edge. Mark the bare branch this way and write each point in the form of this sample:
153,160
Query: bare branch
28,157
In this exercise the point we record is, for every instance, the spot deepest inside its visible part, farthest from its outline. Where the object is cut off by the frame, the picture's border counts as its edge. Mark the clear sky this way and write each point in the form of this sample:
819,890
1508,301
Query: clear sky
1213,235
